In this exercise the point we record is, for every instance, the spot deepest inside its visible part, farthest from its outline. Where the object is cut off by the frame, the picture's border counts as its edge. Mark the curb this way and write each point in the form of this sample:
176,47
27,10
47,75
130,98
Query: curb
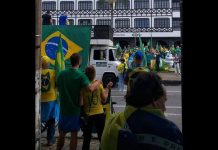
172,82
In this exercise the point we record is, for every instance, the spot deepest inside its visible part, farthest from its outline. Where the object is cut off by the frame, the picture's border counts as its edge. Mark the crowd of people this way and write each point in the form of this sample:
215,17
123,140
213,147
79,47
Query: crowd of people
81,97
142,125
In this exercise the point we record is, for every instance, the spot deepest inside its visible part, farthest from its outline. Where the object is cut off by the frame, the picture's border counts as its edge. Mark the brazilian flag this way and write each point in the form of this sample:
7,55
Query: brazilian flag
74,39
59,61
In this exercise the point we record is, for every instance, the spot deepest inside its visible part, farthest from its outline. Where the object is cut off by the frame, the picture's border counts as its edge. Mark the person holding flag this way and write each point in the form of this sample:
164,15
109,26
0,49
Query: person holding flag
48,100
143,51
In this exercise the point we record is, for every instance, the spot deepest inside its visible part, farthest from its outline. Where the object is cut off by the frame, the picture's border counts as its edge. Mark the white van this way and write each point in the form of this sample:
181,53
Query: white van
102,57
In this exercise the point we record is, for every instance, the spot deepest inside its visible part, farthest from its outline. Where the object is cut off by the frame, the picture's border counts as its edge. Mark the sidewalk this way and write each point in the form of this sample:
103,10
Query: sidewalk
94,144
170,78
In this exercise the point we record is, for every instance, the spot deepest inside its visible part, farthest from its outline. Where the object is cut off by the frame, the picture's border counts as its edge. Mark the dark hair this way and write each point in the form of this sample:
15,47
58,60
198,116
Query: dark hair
90,72
74,59
145,88
122,60
47,11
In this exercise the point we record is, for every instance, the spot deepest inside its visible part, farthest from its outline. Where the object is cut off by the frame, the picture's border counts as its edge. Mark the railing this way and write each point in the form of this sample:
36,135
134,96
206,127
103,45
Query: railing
107,13
94,14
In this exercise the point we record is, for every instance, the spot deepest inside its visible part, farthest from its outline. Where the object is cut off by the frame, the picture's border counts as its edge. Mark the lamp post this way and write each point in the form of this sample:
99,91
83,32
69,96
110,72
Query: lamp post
112,3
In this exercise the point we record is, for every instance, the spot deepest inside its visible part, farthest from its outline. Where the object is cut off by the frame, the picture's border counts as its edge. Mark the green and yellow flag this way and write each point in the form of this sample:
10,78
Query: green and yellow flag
143,51
75,39
59,61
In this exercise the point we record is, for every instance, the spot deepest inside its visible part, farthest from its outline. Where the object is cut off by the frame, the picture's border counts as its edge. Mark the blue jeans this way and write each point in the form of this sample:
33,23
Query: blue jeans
121,82
48,111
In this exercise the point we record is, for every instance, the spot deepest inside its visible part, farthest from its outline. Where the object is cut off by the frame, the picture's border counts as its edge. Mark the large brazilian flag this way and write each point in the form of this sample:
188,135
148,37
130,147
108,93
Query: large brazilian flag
75,39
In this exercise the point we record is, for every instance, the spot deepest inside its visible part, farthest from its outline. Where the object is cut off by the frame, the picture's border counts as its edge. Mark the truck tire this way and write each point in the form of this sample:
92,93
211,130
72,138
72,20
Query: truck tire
107,78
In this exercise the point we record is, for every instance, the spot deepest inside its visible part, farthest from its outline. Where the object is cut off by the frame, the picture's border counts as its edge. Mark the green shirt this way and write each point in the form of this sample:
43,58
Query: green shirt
69,83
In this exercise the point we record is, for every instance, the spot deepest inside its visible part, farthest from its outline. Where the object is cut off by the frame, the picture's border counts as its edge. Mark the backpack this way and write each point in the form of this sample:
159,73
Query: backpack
152,133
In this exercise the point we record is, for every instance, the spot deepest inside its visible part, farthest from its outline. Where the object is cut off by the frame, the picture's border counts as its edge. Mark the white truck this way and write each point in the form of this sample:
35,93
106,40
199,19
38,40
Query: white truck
102,57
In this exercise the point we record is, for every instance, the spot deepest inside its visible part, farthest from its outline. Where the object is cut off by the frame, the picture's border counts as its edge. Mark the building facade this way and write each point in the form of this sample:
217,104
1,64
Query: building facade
155,20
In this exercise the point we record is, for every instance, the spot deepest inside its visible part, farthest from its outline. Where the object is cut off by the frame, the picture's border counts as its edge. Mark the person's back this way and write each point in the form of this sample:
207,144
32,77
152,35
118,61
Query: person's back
63,20
142,125
70,84
46,19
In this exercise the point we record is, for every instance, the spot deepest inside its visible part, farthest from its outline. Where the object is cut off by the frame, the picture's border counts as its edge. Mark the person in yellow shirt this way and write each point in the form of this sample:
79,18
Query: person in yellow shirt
93,109
48,99
122,67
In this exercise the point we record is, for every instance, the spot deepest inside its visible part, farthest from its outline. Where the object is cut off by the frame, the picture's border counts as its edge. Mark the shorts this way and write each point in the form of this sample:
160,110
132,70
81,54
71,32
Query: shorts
69,123
48,110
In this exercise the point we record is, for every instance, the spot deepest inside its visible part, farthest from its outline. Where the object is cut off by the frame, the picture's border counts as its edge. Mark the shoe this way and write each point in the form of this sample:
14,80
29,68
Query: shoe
51,142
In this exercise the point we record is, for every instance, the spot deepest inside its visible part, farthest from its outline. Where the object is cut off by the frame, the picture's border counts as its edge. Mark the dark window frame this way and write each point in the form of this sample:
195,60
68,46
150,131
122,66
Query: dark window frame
66,5
49,4
162,22
85,5
141,23
161,4
141,4
123,23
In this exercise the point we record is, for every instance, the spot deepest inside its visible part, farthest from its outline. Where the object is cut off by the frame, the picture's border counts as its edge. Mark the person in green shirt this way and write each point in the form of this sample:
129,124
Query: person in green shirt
70,82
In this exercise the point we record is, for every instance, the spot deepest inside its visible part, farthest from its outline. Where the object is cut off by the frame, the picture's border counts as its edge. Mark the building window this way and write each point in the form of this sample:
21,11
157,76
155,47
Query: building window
85,22
103,5
141,23
54,21
141,4
71,21
161,22
103,21
122,23
111,55
176,23
67,5
122,4
85,5
51,5
161,4
176,4
99,55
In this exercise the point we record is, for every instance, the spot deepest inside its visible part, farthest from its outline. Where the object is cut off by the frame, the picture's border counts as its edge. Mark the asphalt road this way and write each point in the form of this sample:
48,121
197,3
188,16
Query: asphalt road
173,104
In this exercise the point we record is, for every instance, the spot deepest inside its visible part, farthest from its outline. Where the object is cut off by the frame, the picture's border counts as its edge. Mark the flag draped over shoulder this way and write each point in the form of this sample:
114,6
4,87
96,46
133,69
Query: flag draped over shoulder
59,61
141,45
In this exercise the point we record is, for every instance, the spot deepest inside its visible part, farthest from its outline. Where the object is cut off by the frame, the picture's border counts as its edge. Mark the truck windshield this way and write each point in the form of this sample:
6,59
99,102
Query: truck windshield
111,55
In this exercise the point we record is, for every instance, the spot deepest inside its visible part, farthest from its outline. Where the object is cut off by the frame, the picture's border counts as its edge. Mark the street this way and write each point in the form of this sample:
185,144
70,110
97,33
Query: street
173,104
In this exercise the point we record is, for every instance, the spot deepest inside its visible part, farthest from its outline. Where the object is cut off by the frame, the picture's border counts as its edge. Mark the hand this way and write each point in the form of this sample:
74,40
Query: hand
109,85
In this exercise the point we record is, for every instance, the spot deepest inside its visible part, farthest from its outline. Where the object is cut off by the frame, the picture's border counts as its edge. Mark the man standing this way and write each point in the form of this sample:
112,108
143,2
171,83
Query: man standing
63,19
46,19
137,66
70,82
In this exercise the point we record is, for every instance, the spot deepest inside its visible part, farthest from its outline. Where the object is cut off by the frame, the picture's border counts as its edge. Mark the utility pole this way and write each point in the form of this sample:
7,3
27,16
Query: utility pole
38,29
112,3
151,23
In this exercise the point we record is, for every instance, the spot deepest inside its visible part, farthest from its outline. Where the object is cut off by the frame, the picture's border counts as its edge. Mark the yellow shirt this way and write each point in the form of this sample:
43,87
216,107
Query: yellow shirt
48,92
92,101
120,67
